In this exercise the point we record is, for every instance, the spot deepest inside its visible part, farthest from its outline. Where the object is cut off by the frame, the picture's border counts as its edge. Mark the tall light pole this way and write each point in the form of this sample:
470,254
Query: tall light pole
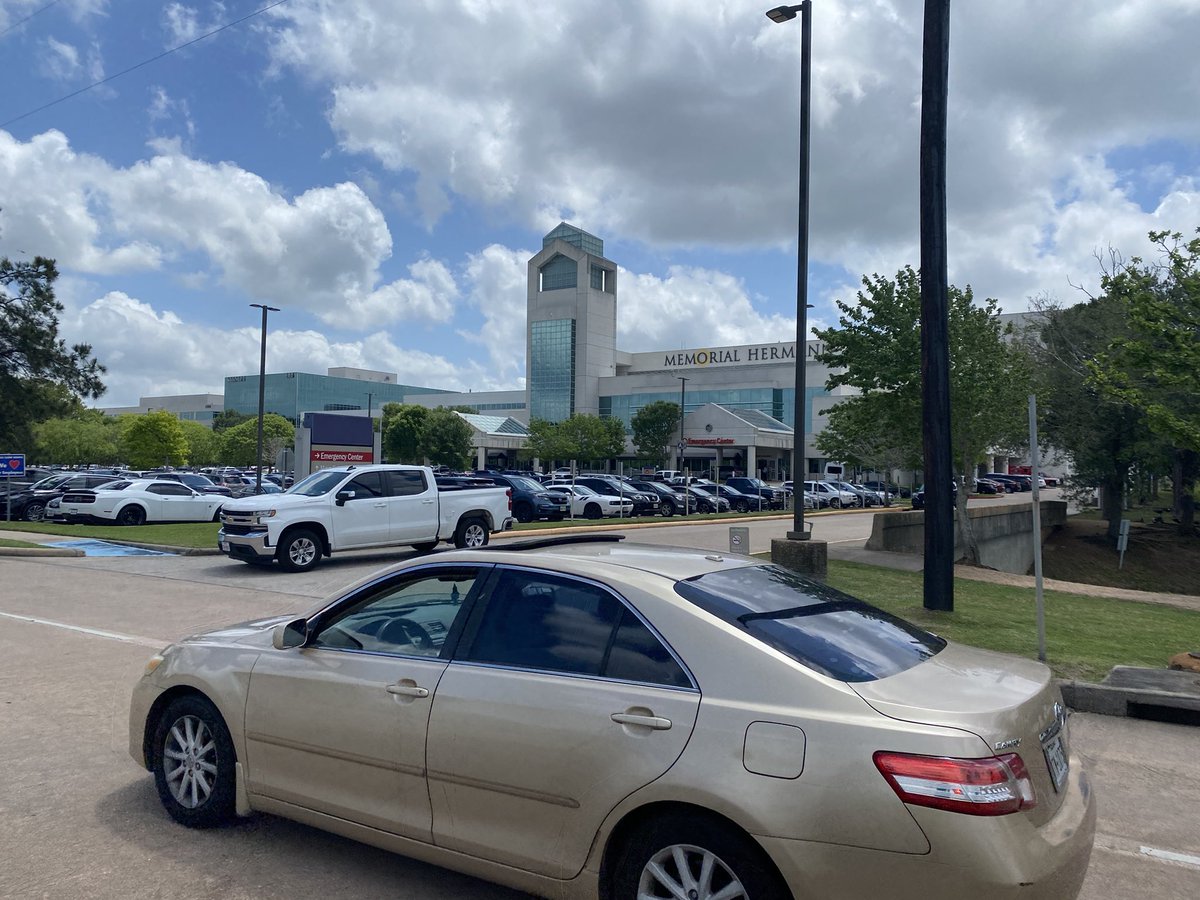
262,384
682,442
786,14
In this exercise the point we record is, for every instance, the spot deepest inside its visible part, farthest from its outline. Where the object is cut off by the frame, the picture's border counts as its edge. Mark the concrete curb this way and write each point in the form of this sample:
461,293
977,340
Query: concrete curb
40,551
1138,692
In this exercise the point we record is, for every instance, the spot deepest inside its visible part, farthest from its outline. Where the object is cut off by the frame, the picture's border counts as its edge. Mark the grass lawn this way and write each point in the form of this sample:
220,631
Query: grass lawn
5,542
1085,636
185,534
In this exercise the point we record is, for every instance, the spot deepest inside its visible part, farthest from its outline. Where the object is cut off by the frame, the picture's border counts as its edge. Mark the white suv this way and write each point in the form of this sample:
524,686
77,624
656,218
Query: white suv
827,494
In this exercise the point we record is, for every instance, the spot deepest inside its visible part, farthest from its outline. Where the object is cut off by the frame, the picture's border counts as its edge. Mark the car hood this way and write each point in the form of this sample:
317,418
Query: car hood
252,502
256,632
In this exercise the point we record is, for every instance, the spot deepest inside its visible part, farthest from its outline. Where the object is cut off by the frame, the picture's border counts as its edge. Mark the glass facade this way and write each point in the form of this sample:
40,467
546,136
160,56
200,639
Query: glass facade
559,273
552,369
291,393
576,237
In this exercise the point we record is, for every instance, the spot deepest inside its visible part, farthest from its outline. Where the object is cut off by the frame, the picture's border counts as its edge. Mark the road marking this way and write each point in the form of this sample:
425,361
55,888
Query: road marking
95,632
1171,856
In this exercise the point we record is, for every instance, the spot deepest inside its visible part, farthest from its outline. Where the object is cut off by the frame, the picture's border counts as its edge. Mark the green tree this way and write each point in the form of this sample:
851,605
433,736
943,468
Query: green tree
154,439
204,446
545,442
446,439
40,377
1103,437
654,427
239,444
876,348
87,438
227,418
403,424
1156,367
589,438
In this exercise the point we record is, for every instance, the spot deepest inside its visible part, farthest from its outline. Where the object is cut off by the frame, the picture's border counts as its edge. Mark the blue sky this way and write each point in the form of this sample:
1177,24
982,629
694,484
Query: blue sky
382,170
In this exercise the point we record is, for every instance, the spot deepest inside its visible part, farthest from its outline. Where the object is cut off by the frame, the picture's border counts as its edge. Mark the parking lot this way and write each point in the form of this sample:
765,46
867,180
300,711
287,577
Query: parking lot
81,820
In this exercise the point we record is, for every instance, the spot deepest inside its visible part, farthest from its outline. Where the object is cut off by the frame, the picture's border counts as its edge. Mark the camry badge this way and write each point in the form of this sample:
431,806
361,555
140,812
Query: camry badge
1005,745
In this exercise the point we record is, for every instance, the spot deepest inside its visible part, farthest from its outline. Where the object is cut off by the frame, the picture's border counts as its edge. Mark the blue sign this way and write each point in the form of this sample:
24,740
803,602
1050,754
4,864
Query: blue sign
12,464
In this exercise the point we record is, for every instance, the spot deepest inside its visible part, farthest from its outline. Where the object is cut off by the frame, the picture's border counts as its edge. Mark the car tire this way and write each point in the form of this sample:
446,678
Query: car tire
299,551
647,865
523,512
667,509
835,502
193,760
471,532
593,511
425,546
743,506
35,511
132,515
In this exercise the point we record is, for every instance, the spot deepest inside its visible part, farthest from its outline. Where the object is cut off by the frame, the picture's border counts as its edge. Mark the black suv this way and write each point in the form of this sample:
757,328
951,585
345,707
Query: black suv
670,501
771,498
529,499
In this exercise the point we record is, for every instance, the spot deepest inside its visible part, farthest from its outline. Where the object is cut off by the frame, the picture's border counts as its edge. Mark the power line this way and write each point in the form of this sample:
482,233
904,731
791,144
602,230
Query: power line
144,62
21,22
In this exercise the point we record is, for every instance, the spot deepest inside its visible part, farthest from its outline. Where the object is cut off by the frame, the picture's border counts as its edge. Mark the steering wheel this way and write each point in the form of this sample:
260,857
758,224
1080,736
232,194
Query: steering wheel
406,631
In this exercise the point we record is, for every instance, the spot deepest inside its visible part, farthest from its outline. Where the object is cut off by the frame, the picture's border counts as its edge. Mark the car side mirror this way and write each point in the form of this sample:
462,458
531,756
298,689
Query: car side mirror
343,496
290,634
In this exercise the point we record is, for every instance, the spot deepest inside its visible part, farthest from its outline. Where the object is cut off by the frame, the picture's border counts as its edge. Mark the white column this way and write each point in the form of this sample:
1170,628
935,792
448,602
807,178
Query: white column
481,457
751,461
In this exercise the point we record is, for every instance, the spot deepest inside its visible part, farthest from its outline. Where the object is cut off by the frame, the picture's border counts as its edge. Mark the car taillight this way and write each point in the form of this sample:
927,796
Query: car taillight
509,492
993,786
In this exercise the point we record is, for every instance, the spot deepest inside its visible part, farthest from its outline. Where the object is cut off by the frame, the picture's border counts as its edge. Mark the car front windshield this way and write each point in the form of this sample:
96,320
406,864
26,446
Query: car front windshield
526,484
822,628
318,483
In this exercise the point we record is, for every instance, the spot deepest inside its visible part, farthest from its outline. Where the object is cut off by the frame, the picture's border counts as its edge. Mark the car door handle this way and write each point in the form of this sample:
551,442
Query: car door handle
408,690
380,505
428,502
657,723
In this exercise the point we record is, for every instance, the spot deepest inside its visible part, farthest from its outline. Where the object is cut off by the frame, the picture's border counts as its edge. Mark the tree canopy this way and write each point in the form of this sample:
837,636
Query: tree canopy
40,376
239,444
402,425
445,439
654,426
154,439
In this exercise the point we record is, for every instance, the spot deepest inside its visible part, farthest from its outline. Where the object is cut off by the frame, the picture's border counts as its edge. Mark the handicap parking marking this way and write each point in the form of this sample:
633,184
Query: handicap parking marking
92,547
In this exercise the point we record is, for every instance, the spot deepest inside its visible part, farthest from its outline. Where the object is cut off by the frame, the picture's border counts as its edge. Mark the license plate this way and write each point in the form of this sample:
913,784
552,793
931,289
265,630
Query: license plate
224,546
1056,760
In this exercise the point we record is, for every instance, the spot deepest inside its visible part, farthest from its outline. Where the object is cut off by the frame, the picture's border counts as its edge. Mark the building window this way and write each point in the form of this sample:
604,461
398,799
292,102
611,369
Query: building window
552,369
559,273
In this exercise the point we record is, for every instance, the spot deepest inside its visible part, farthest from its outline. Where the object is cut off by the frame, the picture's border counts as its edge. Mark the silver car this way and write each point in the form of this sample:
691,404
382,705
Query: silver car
587,718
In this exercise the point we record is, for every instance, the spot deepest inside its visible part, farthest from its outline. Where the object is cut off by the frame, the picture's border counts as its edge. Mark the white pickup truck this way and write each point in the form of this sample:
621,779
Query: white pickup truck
354,507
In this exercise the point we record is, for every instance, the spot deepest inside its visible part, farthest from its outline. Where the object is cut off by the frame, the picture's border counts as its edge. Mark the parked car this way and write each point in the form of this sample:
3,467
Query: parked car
1011,483
139,502
831,495
196,482
701,501
645,503
670,501
588,504
988,486
862,497
890,487
918,496
771,498
354,507
30,504
590,719
738,502
531,500
811,501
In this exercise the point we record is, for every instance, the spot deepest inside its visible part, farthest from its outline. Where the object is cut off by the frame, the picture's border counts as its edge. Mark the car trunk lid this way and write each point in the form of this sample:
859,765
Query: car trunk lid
1011,703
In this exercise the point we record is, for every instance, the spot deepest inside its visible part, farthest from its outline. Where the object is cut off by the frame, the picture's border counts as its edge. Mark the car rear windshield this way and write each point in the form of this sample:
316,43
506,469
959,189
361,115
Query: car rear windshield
824,629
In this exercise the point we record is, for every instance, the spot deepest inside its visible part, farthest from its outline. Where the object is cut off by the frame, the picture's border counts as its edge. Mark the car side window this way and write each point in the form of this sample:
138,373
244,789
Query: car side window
368,484
409,617
406,484
536,620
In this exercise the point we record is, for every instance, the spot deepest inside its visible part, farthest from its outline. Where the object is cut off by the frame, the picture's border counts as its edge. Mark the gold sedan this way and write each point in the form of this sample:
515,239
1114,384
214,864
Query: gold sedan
583,718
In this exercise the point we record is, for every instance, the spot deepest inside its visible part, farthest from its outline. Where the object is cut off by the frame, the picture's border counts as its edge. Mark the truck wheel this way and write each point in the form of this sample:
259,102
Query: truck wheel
471,532
300,551
522,512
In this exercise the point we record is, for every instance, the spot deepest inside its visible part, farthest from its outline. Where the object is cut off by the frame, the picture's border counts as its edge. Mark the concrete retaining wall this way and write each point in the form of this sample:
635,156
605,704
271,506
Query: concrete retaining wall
1004,533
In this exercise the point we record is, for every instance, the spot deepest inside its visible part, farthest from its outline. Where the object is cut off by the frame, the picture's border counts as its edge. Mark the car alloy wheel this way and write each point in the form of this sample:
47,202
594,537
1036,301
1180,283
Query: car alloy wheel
684,870
299,551
35,512
193,759
131,515
471,533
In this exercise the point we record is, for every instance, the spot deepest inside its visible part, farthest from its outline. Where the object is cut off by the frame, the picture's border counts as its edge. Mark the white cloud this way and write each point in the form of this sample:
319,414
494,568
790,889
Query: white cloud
60,61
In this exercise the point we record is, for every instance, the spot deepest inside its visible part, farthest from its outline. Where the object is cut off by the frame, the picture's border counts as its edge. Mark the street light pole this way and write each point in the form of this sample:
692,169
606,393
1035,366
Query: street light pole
786,14
262,384
682,442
